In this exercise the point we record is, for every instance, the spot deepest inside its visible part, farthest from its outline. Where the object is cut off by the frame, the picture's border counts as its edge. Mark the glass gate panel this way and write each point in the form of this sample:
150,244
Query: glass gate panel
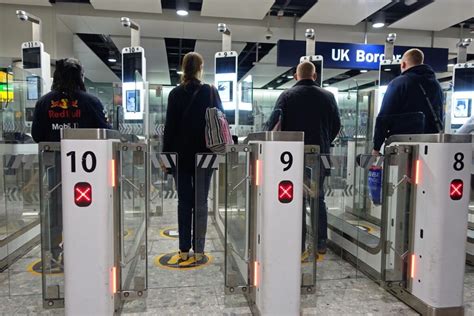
52,261
399,180
237,181
311,198
133,188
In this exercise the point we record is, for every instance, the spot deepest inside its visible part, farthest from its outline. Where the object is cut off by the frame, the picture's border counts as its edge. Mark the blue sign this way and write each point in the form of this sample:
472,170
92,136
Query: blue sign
354,56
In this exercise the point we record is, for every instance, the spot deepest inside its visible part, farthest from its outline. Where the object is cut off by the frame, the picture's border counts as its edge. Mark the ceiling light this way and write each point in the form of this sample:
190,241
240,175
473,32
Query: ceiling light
111,58
290,77
378,21
363,71
182,7
450,65
325,84
410,2
270,88
179,72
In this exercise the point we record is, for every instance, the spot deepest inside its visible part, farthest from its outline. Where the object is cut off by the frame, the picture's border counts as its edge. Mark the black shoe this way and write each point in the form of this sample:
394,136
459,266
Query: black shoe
322,247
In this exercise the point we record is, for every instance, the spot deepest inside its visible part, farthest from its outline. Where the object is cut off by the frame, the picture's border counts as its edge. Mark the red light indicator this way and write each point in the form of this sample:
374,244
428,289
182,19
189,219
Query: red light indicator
114,280
112,170
412,267
456,189
82,194
417,172
258,167
285,191
255,274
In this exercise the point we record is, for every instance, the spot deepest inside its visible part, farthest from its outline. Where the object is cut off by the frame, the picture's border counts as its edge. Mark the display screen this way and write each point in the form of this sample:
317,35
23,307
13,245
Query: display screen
246,92
133,100
31,58
32,87
388,73
6,86
462,108
225,89
464,79
226,65
132,62
318,65
29,112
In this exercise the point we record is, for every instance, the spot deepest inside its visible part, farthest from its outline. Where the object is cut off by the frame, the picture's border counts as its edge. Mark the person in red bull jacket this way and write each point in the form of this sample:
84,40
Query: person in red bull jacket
68,105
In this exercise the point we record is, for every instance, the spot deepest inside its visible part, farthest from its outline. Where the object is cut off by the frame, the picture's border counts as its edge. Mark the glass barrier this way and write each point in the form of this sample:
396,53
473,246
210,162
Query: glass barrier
312,195
236,184
52,261
133,185
399,170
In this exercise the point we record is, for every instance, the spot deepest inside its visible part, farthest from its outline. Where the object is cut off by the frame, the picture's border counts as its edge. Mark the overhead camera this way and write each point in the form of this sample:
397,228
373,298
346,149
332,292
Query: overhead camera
126,22
22,15
391,38
268,34
309,33
221,27
465,42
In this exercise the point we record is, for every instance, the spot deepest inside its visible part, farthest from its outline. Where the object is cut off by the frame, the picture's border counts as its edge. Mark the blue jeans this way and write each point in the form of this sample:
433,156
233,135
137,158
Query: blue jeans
322,216
192,208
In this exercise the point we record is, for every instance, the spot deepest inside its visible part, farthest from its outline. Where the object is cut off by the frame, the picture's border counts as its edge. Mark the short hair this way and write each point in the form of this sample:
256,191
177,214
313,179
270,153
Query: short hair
414,57
306,70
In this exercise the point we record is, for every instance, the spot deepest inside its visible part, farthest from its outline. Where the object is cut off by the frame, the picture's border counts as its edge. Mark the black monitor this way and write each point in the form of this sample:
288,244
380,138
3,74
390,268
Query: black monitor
463,79
132,62
388,73
32,58
226,65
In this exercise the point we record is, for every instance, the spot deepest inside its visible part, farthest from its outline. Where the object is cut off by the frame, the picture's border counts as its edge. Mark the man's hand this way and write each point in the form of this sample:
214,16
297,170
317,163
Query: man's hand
375,152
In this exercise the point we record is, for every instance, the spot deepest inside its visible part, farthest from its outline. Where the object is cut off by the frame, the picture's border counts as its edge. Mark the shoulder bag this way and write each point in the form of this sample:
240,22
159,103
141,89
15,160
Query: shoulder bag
217,128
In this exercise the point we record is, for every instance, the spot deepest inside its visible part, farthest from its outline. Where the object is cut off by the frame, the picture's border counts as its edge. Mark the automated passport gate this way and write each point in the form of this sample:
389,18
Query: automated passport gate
102,267
264,207
425,224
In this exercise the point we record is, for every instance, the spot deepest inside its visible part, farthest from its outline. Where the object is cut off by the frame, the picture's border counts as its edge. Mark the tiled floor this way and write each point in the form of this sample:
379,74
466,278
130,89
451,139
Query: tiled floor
342,291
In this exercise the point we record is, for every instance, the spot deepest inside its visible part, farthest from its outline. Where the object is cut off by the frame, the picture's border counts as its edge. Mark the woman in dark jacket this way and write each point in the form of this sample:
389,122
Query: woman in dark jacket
185,135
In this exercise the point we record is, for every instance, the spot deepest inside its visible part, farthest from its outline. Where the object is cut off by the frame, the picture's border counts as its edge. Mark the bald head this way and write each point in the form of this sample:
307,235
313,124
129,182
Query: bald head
306,70
412,57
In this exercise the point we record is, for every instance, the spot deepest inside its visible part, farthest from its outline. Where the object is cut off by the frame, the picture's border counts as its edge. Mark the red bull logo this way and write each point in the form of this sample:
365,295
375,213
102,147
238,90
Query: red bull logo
63,104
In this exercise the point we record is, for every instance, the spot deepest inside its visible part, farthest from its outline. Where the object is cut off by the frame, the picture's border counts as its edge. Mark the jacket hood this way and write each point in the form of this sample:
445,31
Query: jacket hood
423,70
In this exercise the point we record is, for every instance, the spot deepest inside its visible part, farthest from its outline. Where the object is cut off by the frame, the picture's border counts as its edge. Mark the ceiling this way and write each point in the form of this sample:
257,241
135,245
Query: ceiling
167,38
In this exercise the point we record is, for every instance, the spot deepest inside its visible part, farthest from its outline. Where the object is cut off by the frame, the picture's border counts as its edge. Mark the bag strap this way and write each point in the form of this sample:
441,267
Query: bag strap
438,124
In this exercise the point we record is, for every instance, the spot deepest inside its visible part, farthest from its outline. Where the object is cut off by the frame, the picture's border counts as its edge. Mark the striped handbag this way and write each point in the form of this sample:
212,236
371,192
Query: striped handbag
217,128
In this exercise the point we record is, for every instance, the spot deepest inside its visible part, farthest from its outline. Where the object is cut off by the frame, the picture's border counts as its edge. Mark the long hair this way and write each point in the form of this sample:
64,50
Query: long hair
191,67
68,77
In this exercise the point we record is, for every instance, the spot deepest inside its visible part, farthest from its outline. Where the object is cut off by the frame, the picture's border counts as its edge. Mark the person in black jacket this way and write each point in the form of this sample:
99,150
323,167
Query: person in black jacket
185,135
66,106
405,95
310,109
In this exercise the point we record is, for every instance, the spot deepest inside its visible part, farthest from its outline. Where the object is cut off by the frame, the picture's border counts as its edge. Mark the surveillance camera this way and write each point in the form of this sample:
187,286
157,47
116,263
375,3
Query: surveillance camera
309,33
221,27
126,22
22,15
268,34
391,37
465,42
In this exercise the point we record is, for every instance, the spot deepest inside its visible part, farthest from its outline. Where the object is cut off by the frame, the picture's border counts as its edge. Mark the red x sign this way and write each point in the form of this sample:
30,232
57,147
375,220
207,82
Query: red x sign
456,189
82,194
285,191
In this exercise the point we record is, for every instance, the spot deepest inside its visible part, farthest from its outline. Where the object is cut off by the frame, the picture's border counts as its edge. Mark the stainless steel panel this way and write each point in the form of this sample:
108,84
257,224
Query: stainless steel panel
277,137
89,133
430,138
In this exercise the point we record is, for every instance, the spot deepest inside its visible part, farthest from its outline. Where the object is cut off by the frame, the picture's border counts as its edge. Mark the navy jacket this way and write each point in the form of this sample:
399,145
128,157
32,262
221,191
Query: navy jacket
404,95
307,108
55,111
186,124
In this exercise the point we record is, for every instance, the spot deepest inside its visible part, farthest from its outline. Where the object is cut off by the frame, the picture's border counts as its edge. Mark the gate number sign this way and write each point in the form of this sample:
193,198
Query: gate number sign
83,194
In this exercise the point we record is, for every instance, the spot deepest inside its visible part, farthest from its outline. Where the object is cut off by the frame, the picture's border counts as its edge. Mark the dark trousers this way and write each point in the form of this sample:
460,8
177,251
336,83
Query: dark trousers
192,208
322,215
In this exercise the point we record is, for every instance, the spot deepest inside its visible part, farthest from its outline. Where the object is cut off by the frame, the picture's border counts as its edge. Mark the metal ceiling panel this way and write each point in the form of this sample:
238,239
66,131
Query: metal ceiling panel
437,16
237,9
27,2
342,12
144,6
94,69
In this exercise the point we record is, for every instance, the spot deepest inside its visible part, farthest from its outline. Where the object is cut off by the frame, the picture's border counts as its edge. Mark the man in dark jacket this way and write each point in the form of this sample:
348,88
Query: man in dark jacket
307,108
405,95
